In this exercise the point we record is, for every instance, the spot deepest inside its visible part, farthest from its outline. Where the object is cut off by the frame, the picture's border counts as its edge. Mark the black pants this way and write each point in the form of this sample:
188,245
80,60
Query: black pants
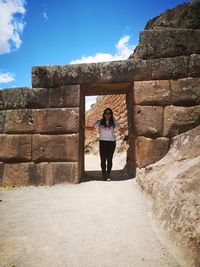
107,149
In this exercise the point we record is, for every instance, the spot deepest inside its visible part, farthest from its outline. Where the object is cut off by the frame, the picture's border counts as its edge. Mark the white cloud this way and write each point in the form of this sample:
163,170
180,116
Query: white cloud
45,15
6,77
123,51
11,24
90,100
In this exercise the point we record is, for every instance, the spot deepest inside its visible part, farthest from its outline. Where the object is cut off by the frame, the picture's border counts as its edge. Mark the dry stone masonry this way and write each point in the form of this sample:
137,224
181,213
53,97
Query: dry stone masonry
41,140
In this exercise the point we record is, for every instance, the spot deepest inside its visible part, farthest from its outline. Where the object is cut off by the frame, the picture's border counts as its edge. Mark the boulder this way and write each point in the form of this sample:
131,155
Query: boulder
180,119
173,185
148,120
149,150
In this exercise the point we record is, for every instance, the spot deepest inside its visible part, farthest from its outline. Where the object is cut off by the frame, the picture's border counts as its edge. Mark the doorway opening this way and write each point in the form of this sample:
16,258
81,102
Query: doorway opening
92,110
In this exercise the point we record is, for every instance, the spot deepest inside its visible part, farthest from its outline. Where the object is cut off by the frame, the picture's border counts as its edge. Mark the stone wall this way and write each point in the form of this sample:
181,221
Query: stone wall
39,135
163,109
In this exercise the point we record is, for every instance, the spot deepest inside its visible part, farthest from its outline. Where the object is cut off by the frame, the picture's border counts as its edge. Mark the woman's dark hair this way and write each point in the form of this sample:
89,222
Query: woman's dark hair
111,120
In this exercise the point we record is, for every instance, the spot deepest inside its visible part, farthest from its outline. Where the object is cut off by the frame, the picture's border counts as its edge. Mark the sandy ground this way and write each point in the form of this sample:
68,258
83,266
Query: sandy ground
92,224
92,162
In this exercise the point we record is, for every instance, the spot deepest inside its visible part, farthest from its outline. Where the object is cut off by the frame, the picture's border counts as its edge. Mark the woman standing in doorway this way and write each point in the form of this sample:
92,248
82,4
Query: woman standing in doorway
107,141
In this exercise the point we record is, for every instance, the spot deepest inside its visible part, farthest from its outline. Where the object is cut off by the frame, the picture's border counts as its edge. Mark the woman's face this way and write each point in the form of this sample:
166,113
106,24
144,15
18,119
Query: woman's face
107,114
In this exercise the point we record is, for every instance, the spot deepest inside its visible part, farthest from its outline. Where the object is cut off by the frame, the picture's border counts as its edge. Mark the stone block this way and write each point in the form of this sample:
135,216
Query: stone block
38,98
60,148
165,43
13,98
16,174
149,150
63,120
186,91
194,65
142,70
152,92
169,68
91,73
2,121
149,120
65,96
24,97
1,173
15,148
180,119
62,172
19,121
39,174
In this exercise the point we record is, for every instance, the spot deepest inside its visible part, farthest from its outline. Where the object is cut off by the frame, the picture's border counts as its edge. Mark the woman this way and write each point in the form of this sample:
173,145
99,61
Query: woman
107,141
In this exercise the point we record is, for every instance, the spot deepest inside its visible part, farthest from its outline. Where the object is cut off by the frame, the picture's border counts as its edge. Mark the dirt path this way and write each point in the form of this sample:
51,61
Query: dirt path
92,224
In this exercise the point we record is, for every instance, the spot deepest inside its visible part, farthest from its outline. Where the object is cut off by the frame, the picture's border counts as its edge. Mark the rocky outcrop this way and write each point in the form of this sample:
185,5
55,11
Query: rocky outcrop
184,16
174,186
174,33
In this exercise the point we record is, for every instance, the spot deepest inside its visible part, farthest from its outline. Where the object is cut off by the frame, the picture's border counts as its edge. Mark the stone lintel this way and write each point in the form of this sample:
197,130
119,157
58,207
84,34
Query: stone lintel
109,72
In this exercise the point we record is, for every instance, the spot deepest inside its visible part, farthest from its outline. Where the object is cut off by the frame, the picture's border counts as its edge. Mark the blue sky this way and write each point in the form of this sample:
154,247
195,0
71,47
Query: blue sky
37,32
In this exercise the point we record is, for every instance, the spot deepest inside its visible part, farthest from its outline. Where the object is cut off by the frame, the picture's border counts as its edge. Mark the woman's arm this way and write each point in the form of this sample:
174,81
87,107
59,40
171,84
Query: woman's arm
89,127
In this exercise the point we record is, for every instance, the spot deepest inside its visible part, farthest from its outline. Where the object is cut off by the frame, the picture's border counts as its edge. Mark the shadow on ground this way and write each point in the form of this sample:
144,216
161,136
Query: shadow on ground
118,175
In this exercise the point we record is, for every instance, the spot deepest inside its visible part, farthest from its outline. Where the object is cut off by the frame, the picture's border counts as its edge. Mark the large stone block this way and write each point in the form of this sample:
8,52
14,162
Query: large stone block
24,97
194,65
19,121
104,72
165,43
1,173
2,121
63,120
16,174
62,172
55,148
152,92
15,148
180,119
65,96
23,174
13,98
185,91
39,174
38,98
149,150
149,120
169,68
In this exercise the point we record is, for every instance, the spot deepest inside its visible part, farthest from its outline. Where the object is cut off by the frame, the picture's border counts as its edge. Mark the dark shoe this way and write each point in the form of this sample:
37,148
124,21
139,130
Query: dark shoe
104,177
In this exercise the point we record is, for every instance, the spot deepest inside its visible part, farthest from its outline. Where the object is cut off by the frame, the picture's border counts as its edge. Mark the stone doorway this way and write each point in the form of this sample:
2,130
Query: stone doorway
108,89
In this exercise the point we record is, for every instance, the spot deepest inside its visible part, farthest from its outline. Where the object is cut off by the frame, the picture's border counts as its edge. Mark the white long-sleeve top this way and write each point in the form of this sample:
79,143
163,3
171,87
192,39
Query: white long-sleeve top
106,133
